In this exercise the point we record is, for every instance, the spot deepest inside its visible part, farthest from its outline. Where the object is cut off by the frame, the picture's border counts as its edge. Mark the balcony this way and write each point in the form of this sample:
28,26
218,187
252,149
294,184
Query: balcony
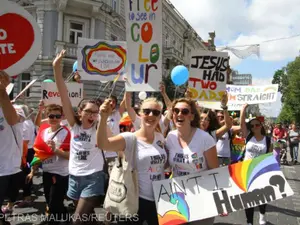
174,54
71,49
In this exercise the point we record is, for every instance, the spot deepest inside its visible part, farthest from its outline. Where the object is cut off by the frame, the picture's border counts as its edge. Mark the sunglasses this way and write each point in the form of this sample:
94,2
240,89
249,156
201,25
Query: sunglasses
52,116
255,125
155,112
221,117
184,111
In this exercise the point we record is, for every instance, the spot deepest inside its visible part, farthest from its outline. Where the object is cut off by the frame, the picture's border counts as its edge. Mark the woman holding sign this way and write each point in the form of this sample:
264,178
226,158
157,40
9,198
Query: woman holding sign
257,144
191,150
86,180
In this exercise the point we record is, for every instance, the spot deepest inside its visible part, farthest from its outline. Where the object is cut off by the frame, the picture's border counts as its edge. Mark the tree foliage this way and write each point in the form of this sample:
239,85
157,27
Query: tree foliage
288,80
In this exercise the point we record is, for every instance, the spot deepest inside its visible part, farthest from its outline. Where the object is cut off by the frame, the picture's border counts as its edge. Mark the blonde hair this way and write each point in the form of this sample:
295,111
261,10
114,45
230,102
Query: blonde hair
154,100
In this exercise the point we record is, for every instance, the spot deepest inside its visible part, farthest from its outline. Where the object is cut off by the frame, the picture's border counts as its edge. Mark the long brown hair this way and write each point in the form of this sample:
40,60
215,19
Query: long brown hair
82,104
196,122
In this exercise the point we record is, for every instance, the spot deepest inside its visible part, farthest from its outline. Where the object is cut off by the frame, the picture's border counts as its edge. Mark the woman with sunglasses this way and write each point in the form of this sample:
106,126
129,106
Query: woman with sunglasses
190,149
87,179
257,144
56,139
150,153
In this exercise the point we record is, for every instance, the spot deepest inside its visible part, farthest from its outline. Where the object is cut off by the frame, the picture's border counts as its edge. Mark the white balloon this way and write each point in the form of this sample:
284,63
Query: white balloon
103,81
142,95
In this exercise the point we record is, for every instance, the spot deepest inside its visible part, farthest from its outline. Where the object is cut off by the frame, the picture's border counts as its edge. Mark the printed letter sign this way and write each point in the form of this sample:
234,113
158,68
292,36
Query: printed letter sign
20,38
144,44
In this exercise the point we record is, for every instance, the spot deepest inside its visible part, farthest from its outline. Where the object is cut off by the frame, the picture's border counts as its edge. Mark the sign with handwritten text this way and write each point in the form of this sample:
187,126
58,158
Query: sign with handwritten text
208,75
50,94
239,95
144,44
101,60
223,190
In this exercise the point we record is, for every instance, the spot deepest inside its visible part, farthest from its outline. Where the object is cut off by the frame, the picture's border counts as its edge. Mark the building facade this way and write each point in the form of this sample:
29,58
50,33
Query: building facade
62,22
241,79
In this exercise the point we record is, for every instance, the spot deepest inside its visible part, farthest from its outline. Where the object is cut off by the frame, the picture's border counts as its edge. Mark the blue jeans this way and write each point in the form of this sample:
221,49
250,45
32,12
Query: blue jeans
86,186
294,151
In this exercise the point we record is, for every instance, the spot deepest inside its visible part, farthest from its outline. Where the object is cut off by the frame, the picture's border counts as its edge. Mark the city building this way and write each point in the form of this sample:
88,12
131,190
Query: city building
62,22
241,79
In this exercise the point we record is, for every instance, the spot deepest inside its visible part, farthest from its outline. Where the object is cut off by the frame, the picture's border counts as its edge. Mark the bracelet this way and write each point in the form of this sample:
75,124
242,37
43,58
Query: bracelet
224,107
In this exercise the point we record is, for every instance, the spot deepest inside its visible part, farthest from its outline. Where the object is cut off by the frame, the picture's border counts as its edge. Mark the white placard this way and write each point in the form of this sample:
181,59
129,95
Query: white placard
144,45
208,75
101,60
20,38
50,94
223,190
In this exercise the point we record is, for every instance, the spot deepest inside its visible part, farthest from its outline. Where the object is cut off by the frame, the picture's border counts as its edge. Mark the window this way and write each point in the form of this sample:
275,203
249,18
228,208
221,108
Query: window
76,31
113,37
25,80
114,5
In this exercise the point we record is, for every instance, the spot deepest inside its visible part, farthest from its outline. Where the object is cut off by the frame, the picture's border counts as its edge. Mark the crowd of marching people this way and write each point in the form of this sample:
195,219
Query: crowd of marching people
77,151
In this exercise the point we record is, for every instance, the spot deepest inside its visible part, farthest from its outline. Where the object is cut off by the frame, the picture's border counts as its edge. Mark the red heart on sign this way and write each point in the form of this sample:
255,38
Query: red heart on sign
20,33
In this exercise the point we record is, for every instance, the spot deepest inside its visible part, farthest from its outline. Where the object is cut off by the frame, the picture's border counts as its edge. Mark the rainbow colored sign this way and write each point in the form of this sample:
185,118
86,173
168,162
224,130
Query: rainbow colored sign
222,190
101,60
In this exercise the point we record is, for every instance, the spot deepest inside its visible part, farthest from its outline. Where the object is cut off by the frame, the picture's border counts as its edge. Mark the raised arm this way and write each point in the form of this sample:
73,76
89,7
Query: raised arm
130,110
62,88
228,122
122,107
9,112
114,144
243,121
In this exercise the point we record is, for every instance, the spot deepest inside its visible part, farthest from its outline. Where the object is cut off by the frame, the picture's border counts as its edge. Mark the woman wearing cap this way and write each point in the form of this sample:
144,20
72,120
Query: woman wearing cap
257,144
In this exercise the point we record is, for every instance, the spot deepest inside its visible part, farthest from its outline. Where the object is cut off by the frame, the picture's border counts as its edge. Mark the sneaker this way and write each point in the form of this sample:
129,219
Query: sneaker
262,219
7,210
24,204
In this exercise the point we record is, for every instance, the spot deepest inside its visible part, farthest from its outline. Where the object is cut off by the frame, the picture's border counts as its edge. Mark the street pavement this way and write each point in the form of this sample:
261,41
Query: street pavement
282,212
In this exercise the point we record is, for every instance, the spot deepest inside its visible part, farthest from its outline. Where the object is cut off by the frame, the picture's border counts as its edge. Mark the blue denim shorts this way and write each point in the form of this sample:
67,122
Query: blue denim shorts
86,186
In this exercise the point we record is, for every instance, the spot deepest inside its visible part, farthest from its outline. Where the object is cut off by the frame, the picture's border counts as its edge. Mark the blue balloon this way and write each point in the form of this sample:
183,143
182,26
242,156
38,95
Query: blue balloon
75,66
179,75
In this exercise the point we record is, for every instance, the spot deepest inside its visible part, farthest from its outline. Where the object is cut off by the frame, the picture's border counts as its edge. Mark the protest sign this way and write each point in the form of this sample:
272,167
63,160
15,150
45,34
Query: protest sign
144,45
50,95
16,52
239,95
9,88
223,190
208,76
100,60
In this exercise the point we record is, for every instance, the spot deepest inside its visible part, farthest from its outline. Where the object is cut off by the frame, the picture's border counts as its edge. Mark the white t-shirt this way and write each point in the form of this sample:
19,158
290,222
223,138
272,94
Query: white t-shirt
85,157
113,122
29,132
138,120
11,146
151,159
190,159
255,148
56,164
223,146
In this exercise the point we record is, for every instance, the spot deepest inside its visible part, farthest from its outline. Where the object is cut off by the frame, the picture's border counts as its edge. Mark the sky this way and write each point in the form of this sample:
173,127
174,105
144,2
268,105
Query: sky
243,22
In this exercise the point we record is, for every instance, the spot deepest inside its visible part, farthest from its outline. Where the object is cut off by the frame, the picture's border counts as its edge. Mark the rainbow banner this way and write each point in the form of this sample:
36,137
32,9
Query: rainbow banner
223,190
238,147
101,60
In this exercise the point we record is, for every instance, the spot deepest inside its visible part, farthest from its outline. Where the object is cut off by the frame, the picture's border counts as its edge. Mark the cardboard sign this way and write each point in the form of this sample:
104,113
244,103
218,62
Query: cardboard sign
20,38
9,88
100,60
222,190
239,95
208,75
50,95
144,44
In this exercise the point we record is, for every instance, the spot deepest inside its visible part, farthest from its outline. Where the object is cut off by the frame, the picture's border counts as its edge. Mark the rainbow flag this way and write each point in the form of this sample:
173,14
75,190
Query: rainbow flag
42,150
238,147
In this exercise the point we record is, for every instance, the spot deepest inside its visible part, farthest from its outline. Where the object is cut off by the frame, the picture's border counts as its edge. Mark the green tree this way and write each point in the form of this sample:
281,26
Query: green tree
291,108
281,78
